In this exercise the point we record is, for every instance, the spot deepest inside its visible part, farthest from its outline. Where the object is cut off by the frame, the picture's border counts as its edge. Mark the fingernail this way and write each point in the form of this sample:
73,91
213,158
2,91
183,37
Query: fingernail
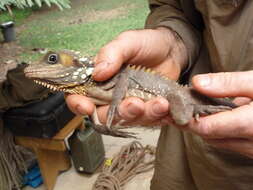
80,110
204,80
100,68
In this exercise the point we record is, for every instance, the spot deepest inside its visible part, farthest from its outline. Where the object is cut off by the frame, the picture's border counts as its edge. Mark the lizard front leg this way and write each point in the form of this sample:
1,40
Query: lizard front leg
113,97
119,93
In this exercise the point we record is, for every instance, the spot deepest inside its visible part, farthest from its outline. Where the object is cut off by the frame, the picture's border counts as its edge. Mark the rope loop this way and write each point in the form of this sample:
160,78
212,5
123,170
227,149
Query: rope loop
131,160
107,181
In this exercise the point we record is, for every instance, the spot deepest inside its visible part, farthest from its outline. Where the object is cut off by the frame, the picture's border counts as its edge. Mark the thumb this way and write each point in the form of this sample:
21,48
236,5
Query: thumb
111,57
230,84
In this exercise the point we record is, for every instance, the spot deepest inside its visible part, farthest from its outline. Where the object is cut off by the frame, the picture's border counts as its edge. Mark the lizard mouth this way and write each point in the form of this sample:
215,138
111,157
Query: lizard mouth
67,88
51,86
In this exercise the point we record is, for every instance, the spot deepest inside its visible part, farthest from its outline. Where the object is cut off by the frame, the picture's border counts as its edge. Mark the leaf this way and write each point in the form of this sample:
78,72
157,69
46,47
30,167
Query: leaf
38,2
29,3
47,2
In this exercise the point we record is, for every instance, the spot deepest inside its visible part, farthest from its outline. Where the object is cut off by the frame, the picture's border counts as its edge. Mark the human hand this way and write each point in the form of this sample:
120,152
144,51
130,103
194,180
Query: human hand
157,49
233,129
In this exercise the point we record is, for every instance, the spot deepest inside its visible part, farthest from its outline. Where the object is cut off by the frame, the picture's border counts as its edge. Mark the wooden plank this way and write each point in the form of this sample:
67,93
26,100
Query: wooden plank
48,144
75,123
51,163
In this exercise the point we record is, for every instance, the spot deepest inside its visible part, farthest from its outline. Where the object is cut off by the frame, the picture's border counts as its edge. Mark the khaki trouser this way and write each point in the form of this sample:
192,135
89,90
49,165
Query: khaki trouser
185,162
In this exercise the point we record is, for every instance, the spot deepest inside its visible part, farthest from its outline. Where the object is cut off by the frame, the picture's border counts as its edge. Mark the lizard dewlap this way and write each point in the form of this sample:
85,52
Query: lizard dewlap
68,72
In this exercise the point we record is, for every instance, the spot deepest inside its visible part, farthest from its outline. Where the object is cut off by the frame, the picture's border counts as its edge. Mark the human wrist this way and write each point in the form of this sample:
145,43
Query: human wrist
178,51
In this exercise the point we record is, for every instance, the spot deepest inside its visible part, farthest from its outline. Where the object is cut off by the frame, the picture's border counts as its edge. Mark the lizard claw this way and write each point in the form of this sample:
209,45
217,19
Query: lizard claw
114,132
197,117
123,134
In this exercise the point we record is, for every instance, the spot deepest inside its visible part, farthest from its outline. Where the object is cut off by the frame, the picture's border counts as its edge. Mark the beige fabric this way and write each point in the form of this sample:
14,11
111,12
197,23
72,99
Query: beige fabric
184,161
18,90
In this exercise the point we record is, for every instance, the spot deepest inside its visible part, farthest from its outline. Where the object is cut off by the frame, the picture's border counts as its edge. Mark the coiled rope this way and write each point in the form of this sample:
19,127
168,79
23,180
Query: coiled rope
132,159
12,163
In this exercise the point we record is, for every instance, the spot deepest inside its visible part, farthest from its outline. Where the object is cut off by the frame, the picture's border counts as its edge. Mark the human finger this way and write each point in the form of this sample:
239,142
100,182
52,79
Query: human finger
163,121
155,109
102,113
153,112
111,57
230,124
79,105
137,47
134,111
231,84
131,108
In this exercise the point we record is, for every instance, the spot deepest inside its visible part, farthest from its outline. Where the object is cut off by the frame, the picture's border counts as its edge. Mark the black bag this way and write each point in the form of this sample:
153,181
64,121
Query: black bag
42,119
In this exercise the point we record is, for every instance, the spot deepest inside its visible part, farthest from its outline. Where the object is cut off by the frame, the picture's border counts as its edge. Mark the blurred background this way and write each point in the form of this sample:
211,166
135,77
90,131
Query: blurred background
81,25
37,26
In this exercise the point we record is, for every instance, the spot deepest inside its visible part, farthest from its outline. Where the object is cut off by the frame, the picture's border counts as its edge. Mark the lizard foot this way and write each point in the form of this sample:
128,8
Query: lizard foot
210,109
123,134
114,132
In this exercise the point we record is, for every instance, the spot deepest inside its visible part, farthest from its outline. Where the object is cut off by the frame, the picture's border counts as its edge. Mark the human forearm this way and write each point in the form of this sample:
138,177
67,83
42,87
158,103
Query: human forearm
169,14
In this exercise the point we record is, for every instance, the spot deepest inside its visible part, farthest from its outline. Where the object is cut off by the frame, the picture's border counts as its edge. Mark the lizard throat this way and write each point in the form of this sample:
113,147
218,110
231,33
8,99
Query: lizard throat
72,88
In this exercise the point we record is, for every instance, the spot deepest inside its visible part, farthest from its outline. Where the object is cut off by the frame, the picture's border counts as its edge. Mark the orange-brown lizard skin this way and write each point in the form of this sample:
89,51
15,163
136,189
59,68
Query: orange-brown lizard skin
66,71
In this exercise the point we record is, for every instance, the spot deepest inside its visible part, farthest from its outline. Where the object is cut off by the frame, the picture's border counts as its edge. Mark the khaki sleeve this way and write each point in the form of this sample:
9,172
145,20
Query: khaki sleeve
169,13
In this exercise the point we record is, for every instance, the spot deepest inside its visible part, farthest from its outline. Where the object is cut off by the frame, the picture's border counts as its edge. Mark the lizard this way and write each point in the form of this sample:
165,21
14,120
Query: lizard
68,72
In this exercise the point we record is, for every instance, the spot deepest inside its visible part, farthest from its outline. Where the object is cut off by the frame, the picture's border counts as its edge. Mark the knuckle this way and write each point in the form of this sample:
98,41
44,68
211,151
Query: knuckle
103,51
127,34
245,130
130,109
226,79
204,129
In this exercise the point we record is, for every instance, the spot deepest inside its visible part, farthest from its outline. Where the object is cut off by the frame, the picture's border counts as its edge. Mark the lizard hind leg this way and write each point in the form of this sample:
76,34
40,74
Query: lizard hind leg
202,110
180,111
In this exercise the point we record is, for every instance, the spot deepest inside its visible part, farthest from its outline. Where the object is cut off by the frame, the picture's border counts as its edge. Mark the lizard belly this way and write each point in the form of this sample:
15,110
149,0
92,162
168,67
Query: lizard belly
139,94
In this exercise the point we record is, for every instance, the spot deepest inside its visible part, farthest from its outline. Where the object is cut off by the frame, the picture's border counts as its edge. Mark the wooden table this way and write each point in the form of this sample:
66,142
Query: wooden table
52,154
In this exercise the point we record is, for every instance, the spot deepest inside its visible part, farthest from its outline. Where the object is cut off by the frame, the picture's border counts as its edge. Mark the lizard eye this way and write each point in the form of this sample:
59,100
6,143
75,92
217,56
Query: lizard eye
52,59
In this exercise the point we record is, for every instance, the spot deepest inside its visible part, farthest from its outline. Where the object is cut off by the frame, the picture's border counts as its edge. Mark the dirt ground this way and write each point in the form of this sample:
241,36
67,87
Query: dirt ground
9,52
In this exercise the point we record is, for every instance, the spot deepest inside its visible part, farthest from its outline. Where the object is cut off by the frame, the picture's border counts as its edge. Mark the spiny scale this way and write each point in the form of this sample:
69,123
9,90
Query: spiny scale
148,70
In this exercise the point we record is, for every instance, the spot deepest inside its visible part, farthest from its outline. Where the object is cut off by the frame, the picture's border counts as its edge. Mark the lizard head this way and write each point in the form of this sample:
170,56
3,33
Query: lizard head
61,71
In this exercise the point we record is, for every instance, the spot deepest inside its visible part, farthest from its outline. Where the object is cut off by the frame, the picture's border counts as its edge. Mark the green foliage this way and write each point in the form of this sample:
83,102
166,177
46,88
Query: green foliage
58,30
18,15
30,3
